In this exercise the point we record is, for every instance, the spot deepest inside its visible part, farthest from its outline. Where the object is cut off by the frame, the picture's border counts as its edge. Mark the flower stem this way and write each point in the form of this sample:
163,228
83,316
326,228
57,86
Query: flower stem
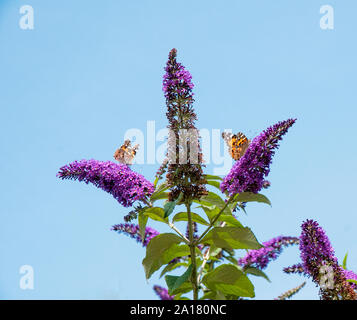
193,253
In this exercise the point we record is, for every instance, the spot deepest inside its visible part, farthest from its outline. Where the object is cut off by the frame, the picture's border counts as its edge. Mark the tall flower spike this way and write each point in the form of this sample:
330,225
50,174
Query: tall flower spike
271,249
184,171
125,185
133,231
320,263
248,173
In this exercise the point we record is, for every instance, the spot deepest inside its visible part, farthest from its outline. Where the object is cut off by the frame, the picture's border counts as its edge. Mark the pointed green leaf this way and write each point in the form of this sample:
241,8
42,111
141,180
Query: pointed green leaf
172,266
344,263
213,199
230,220
215,184
155,251
252,197
181,298
231,238
175,251
161,188
230,281
160,196
213,295
156,214
169,207
256,272
210,211
175,282
352,280
184,288
182,216
212,177
142,220
156,181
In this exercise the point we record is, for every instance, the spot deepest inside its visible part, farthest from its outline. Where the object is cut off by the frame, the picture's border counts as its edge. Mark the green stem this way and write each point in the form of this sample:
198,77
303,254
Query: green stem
215,219
193,253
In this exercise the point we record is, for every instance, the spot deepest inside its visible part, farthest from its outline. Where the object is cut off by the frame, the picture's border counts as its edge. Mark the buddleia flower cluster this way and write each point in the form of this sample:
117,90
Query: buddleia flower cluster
320,263
133,231
185,160
125,185
270,251
248,173
162,293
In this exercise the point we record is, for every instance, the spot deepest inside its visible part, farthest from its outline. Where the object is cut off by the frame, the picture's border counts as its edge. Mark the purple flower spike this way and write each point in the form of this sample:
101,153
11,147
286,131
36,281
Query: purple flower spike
248,173
119,180
271,249
163,293
132,230
320,263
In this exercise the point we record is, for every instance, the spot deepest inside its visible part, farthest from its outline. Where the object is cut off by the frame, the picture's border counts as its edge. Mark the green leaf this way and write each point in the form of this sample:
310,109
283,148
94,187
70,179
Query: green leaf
215,184
156,214
169,207
160,196
231,238
175,251
230,220
175,282
210,211
156,181
182,216
230,281
184,288
172,266
252,197
161,188
212,177
181,298
344,263
213,295
256,272
352,280
155,251
142,220
213,199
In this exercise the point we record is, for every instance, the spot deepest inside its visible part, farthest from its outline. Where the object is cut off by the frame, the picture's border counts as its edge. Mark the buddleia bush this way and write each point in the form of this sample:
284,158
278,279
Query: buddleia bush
209,265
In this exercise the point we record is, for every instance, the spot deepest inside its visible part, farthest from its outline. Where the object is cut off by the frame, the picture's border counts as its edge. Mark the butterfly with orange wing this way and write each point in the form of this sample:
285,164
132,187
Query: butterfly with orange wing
126,153
237,144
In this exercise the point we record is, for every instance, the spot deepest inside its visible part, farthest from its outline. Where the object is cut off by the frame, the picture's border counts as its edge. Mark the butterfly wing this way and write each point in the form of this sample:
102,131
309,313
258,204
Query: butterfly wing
237,144
125,154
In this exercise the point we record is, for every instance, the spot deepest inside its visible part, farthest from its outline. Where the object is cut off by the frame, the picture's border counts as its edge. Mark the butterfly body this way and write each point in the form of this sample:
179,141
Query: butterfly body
237,144
126,153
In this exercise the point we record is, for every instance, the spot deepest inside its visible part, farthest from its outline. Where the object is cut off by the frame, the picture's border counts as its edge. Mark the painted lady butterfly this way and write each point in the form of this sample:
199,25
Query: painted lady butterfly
126,153
237,144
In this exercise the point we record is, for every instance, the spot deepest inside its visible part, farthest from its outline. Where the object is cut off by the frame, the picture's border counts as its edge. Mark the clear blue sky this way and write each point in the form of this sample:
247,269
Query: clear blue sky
71,88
